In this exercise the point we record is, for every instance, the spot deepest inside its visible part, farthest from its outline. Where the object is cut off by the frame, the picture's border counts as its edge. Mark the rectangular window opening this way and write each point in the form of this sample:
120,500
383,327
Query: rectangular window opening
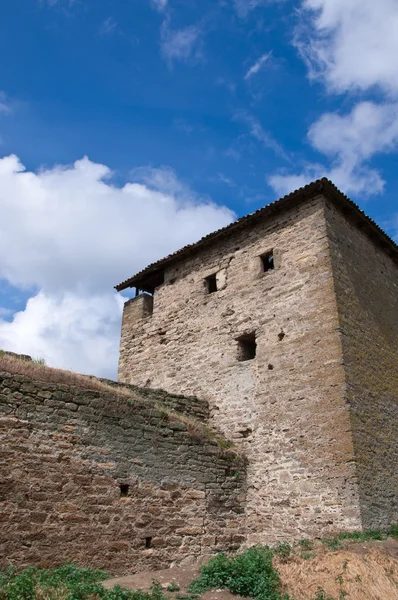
211,284
148,542
124,490
247,347
267,261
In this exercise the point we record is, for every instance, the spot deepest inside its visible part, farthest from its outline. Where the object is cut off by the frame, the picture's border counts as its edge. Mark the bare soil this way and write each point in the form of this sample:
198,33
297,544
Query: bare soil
181,575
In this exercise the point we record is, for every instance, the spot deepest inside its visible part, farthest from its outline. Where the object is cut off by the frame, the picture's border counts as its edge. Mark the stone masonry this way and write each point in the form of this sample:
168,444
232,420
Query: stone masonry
111,482
286,323
366,284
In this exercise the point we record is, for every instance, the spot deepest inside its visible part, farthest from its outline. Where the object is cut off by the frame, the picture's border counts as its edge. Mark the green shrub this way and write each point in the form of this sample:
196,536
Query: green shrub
306,544
393,531
249,574
321,595
331,543
223,443
307,555
283,550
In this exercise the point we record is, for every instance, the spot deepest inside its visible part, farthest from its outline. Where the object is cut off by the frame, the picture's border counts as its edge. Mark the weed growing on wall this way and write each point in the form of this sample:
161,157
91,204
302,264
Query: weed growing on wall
39,361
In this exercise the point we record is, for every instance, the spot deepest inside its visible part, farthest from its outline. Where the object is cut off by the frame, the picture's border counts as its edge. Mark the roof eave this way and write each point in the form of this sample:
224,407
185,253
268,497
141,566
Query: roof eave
321,186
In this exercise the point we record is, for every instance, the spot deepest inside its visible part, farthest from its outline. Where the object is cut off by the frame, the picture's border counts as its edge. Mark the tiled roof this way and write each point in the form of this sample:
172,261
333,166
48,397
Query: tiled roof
321,186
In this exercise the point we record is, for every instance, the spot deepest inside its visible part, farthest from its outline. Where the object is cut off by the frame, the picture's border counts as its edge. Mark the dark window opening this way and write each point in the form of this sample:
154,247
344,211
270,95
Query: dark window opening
211,284
148,542
124,490
267,261
247,347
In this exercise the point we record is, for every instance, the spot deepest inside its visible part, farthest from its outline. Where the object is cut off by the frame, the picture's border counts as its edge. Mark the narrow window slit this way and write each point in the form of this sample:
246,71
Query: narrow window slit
148,542
267,261
247,346
124,490
211,284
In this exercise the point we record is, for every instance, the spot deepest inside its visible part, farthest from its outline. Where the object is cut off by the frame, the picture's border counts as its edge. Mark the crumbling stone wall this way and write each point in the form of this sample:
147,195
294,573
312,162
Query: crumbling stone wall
286,407
66,452
366,283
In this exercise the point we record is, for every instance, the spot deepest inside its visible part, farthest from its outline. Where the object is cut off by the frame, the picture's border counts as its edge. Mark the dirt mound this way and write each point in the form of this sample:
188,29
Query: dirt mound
365,571
348,574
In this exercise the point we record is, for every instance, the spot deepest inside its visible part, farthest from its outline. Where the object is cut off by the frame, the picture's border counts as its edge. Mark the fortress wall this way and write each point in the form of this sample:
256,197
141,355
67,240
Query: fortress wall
366,282
65,452
191,406
287,406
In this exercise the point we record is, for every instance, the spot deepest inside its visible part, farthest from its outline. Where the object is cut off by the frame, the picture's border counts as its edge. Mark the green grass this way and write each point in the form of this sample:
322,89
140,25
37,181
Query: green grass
393,532
68,582
306,545
249,574
371,535
39,361
321,595
283,550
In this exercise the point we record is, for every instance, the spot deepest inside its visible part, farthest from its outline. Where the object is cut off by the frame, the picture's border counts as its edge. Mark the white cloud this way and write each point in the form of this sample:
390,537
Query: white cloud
244,7
54,2
349,141
108,26
73,235
227,180
352,45
259,133
284,183
159,5
180,44
5,106
76,332
257,65
183,125
350,180
368,129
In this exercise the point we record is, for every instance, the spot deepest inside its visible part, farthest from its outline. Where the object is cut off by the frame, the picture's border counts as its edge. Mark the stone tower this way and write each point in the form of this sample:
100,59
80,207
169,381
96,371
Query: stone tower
287,322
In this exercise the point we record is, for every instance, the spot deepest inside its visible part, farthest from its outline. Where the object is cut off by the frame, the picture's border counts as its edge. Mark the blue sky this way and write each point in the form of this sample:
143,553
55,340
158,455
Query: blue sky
190,114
